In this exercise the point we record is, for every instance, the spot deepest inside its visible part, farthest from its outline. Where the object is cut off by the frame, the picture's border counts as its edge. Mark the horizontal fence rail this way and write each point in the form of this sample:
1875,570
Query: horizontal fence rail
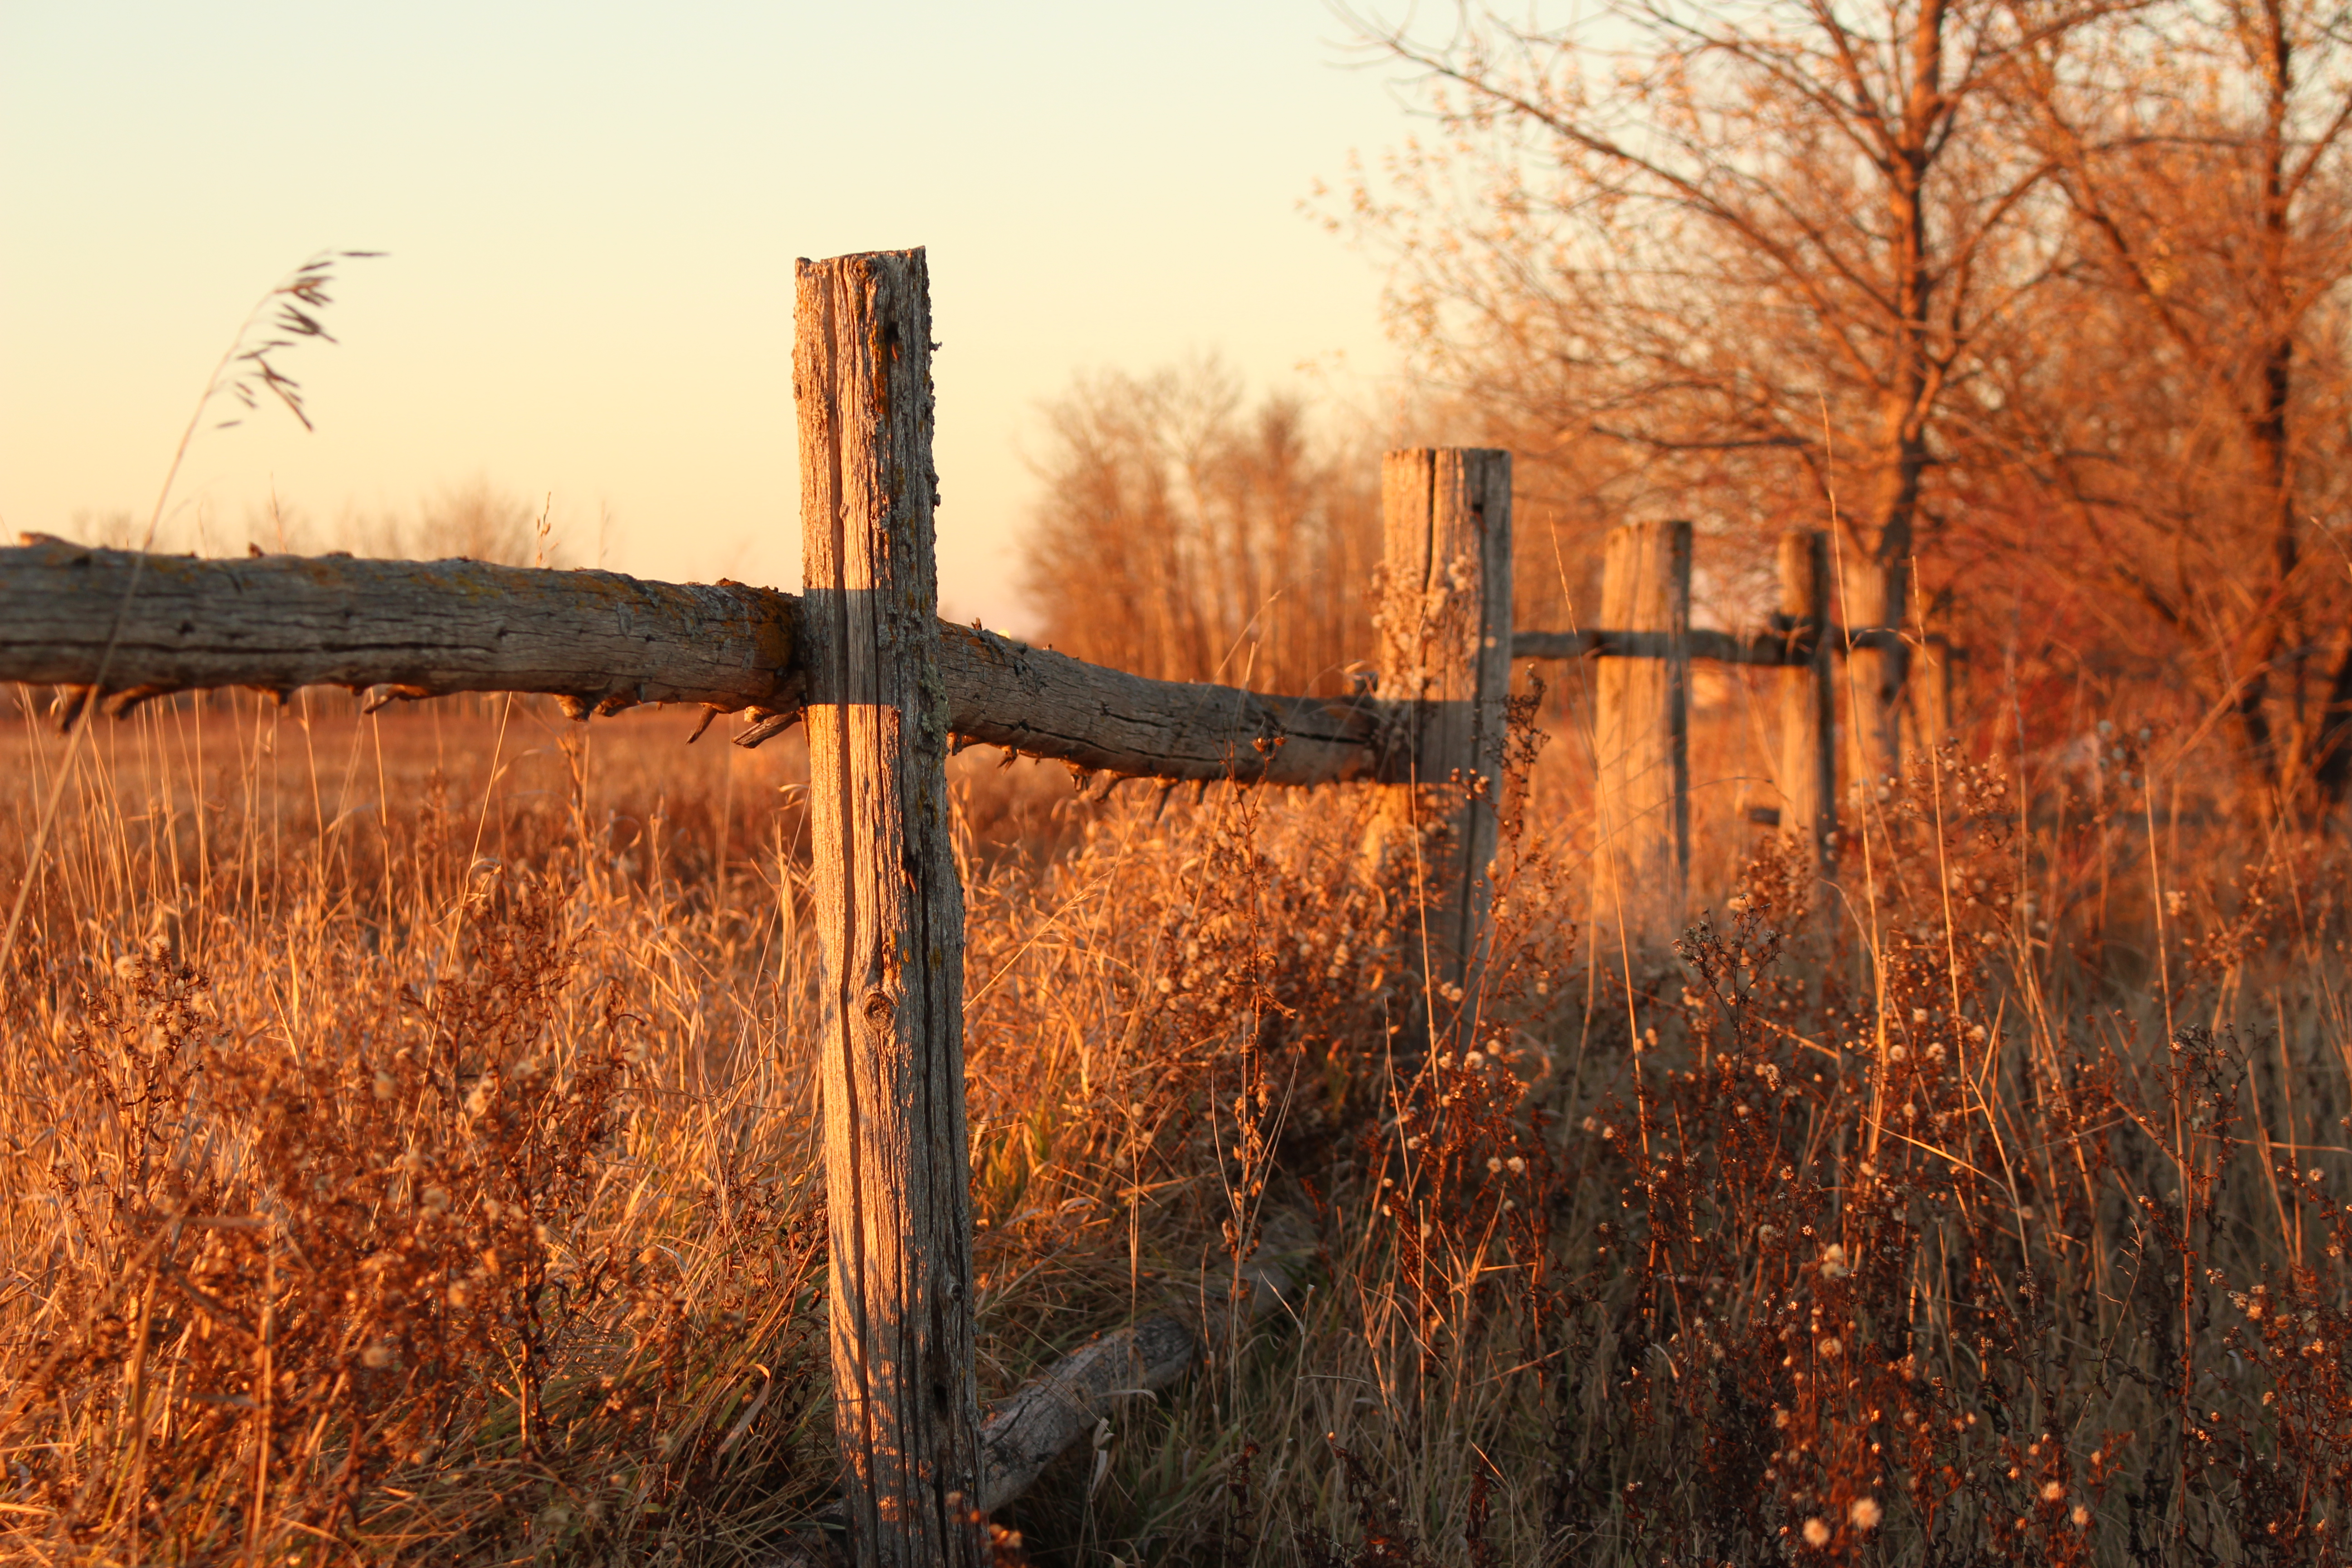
1003,692
601,642
1778,647
160,624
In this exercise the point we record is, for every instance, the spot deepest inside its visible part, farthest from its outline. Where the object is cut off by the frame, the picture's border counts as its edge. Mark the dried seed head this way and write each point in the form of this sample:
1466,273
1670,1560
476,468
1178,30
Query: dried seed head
1817,1531
1865,1514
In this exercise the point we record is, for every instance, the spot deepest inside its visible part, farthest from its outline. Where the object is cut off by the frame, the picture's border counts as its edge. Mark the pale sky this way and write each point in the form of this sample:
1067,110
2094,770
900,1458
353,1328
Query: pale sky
591,212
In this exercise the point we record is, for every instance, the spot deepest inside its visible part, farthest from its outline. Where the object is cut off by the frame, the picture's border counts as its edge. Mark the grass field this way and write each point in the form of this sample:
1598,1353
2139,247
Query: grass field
406,1133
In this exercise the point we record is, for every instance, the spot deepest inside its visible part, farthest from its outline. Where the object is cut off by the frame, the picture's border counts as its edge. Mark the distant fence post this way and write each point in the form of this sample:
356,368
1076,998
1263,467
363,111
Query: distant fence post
890,911
1445,624
1808,712
1642,724
1877,666
1931,688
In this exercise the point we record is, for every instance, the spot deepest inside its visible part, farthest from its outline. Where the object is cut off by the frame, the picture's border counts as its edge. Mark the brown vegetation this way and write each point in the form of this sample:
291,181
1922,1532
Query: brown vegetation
408,1155
406,1129
1182,538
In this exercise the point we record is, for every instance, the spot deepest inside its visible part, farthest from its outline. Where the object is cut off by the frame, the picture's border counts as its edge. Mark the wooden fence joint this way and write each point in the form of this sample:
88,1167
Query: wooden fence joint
1445,625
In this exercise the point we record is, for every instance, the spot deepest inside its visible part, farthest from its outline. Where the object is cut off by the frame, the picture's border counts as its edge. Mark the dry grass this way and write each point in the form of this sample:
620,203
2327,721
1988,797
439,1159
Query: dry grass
406,1141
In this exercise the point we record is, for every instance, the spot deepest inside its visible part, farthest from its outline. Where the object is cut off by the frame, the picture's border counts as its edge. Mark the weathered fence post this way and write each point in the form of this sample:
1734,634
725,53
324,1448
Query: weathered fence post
1445,622
1808,712
1877,666
1931,683
1642,724
891,914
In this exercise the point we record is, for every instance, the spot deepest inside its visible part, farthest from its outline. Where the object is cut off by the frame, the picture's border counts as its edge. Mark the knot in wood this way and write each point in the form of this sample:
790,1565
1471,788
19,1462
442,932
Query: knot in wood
879,1010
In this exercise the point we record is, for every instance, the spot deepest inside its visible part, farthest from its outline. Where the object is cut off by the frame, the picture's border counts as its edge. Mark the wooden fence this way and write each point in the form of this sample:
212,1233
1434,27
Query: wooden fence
886,689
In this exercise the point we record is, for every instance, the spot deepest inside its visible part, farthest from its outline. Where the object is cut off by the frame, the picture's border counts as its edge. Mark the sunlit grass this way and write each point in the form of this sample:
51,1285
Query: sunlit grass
408,1143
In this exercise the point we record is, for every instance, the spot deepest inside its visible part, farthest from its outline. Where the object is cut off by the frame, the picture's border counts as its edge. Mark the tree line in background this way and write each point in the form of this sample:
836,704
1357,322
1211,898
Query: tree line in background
475,520
2040,304
1184,535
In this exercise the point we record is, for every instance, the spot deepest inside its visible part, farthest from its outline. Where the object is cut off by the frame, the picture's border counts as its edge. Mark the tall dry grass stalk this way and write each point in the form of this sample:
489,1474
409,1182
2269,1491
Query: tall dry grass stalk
406,1138
251,368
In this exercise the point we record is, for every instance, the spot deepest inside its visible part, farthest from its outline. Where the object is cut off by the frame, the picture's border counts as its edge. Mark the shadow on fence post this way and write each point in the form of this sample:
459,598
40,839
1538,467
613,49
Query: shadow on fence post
1445,625
1643,725
890,911
1808,712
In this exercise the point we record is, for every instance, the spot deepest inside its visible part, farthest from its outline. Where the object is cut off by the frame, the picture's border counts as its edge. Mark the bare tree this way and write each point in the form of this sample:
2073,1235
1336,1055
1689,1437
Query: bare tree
1181,536
1758,249
2204,162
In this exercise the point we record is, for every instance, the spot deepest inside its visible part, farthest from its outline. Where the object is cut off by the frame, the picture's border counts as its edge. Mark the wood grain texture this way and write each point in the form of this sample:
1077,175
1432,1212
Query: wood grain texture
1642,723
1042,1419
1783,646
1048,704
602,642
1770,648
891,912
1876,670
1445,623
1930,686
426,627
1808,761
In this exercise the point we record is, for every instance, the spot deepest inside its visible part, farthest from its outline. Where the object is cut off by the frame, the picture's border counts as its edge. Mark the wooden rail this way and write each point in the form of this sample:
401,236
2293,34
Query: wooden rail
1790,643
602,642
